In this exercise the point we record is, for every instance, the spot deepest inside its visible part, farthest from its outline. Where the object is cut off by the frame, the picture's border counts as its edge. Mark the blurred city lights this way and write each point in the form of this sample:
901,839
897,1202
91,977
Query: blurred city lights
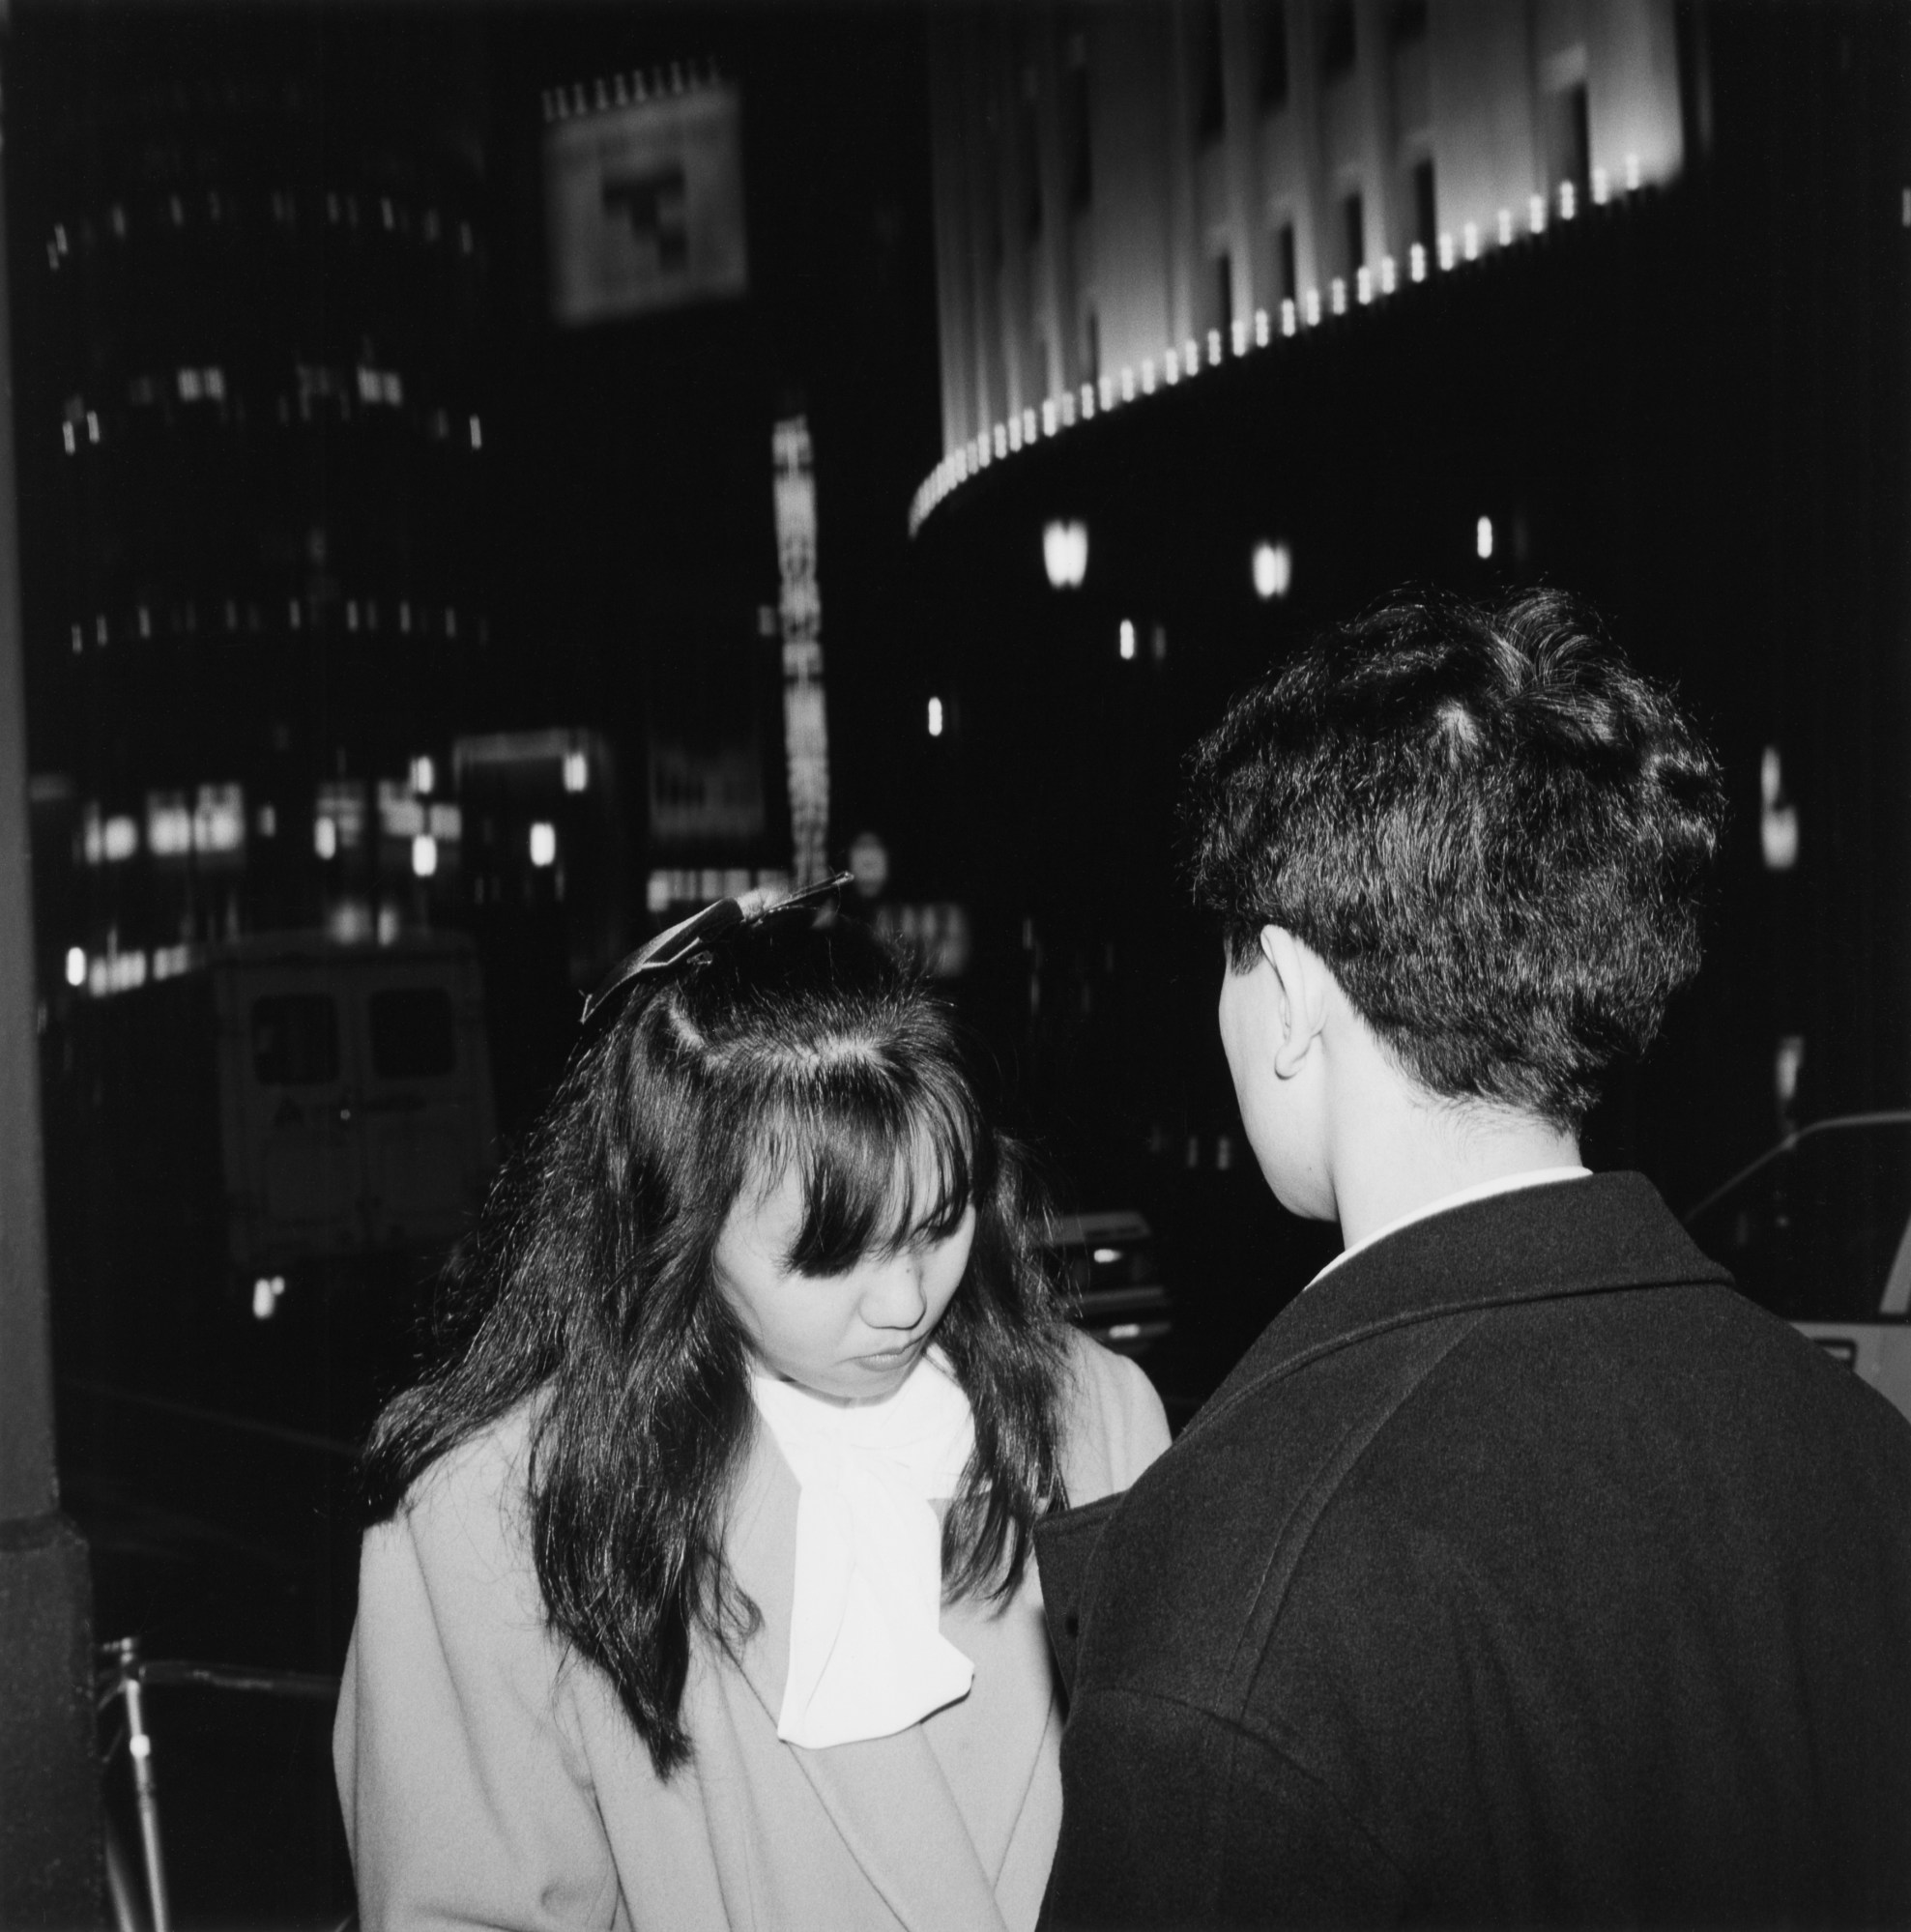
935,718
1127,638
425,856
1065,554
75,965
543,843
1273,570
1482,537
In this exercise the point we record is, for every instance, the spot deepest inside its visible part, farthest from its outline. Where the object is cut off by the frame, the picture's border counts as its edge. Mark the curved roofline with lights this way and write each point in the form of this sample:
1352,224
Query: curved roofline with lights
1070,408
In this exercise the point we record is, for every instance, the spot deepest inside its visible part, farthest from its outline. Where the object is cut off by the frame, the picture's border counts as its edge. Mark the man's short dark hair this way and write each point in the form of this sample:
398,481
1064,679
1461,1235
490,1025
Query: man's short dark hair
1494,831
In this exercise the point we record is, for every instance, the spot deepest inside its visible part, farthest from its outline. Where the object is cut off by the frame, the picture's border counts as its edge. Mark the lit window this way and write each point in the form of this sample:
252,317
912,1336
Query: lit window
576,771
543,843
477,434
424,776
935,718
120,839
1127,638
218,819
325,838
1482,537
425,856
168,825
75,965
1273,566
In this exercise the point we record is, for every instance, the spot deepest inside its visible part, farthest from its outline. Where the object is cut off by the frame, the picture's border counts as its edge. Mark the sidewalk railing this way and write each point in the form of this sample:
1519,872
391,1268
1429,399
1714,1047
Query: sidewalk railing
125,1675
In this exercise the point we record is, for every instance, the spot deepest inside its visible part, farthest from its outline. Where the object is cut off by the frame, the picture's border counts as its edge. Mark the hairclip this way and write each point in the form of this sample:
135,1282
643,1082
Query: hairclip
701,930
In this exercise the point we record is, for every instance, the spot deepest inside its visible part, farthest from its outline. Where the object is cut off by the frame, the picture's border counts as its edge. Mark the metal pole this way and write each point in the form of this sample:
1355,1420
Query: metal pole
51,1860
145,1789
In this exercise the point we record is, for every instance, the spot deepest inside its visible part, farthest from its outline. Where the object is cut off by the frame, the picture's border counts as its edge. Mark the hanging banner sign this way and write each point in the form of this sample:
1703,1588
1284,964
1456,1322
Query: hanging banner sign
644,203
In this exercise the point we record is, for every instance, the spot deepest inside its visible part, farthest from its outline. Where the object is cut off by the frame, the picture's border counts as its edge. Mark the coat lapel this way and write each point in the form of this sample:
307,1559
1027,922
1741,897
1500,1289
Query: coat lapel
888,1798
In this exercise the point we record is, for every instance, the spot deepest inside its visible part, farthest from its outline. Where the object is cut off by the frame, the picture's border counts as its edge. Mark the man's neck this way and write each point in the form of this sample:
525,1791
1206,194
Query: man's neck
1394,1159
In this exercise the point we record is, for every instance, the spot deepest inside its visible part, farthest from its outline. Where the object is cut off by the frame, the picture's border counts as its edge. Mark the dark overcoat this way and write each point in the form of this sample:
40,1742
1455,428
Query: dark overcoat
1523,1572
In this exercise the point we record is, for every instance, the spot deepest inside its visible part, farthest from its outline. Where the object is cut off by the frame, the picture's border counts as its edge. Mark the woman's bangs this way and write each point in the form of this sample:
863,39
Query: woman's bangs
875,1178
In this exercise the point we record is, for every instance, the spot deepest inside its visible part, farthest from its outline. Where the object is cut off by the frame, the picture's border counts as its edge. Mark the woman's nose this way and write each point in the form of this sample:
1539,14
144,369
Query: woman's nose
894,1297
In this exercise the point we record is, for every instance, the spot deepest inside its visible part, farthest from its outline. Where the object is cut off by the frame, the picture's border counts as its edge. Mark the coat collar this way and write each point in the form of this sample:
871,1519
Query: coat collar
888,1797
1532,1243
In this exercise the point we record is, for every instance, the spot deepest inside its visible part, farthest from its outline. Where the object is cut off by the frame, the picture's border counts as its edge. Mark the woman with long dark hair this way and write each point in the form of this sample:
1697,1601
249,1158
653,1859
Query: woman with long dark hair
699,1590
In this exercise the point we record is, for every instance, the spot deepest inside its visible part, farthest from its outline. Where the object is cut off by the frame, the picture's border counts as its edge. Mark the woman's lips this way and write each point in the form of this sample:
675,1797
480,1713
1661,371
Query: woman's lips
891,1358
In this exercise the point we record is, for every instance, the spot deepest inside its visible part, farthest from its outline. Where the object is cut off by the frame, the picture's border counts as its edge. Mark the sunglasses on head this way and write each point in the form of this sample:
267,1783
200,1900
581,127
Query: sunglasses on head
701,934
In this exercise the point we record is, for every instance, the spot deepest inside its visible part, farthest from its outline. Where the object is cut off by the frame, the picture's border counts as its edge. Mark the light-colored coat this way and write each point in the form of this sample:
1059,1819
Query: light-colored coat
491,1779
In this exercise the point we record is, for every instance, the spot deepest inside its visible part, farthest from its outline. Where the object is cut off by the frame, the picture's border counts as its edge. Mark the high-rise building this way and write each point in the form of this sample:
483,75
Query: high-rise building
249,277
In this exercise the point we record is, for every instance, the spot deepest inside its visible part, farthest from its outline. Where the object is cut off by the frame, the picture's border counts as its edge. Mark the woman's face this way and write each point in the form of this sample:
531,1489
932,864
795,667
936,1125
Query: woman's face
850,1336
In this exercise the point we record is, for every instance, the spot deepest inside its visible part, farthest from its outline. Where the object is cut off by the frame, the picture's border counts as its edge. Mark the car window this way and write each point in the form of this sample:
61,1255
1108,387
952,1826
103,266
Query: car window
295,1039
413,1036
1812,1232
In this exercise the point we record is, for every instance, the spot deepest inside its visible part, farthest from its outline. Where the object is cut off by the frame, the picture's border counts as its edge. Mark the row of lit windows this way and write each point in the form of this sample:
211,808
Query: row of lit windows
1112,390
339,391
234,618
214,208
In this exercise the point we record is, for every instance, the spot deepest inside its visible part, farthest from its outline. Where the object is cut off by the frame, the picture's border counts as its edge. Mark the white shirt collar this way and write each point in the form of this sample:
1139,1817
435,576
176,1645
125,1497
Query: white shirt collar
1533,1177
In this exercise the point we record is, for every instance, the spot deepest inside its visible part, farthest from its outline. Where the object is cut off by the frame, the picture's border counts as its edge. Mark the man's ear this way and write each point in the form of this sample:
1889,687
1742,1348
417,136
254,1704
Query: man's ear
1302,976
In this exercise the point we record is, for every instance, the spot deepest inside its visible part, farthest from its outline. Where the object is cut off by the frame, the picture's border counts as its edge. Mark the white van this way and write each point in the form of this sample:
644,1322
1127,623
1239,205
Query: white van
285,1114
1818,1230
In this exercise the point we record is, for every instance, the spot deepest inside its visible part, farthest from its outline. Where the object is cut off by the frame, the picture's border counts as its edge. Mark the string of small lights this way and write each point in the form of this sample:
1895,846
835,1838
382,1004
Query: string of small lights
1182,362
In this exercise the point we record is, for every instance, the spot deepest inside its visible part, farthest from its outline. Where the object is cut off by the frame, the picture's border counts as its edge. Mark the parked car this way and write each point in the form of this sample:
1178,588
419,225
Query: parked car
1114,1279
1818,1230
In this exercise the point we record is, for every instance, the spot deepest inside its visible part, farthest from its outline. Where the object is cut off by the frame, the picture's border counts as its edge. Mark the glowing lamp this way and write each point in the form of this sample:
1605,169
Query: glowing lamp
1273,566
1065,554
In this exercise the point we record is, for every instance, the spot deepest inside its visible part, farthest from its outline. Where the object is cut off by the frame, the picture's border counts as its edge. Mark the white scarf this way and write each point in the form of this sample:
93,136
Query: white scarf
867,1656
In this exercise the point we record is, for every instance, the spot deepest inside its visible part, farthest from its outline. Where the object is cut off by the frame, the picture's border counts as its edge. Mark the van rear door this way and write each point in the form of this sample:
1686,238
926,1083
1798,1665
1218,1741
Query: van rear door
294,1153
424,1096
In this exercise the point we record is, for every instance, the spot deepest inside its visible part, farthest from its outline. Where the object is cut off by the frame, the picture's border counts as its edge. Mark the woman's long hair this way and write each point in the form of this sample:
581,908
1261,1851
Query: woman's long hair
590,1289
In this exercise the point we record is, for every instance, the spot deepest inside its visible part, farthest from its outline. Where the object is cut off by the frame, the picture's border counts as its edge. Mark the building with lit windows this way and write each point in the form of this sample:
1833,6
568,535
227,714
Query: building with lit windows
1119,190
251,439
1250,315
